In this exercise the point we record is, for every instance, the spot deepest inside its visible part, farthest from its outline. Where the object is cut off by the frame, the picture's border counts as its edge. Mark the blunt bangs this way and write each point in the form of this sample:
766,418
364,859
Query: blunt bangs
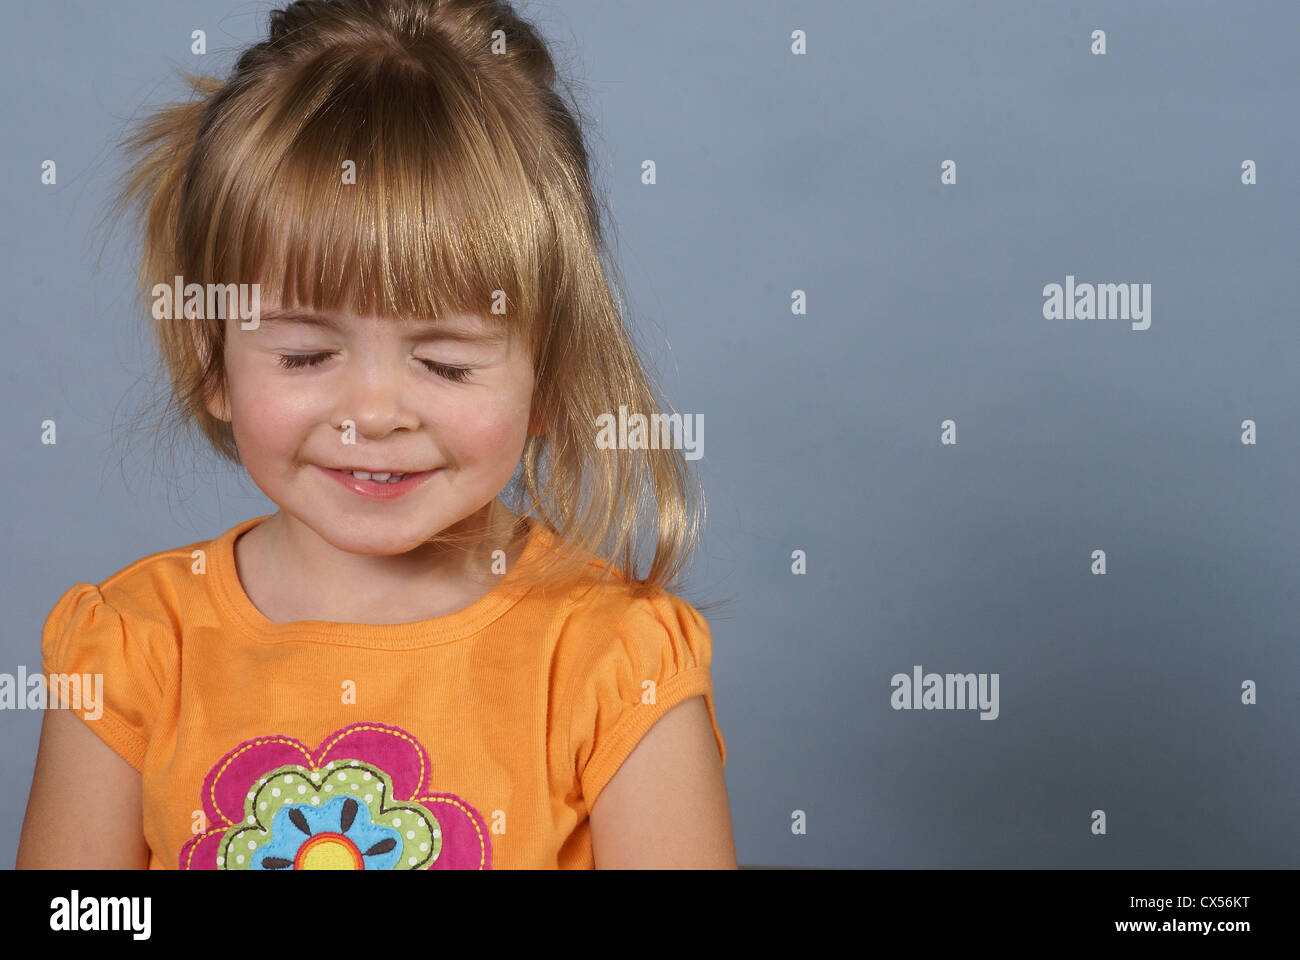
442,215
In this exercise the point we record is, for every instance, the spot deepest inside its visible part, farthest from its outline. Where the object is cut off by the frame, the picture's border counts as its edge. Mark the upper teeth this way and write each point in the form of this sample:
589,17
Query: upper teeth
381,477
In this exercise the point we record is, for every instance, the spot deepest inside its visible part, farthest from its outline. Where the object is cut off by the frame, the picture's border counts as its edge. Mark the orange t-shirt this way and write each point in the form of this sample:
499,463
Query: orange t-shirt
474,740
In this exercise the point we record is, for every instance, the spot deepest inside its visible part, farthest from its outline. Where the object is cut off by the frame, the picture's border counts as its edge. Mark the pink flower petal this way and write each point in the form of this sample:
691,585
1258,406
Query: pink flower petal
466,843
200,853
232,777
391,749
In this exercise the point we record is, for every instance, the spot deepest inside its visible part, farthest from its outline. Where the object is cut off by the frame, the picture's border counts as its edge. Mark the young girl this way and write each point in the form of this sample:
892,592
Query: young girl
395,670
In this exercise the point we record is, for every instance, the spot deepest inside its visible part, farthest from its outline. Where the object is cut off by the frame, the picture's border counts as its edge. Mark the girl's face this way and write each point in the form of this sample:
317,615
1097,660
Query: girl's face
298,379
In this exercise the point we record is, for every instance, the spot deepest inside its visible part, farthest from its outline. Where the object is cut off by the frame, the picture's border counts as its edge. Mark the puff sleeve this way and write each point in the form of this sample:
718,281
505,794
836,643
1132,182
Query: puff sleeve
84,635
638,665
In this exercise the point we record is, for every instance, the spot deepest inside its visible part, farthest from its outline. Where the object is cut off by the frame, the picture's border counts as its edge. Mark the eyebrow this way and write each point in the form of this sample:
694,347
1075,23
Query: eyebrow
427,334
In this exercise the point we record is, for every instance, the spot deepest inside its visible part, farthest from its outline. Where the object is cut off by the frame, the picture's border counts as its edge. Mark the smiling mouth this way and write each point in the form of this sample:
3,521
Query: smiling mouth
379,476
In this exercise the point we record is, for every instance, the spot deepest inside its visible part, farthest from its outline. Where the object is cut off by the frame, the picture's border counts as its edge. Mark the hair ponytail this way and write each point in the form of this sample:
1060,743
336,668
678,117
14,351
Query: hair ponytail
162,148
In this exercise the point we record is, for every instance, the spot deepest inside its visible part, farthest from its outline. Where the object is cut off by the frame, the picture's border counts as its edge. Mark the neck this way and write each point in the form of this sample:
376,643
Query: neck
290,572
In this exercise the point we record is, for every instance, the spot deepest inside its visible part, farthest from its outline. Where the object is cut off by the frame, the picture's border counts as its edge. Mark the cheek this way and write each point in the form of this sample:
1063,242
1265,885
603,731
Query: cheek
263,417
488,436
494,432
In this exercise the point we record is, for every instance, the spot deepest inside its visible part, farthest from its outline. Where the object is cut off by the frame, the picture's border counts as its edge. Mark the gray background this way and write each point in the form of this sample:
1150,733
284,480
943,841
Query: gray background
821,173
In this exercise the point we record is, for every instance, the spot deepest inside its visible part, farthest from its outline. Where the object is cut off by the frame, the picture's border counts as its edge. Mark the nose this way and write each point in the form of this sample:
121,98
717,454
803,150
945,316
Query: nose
374,397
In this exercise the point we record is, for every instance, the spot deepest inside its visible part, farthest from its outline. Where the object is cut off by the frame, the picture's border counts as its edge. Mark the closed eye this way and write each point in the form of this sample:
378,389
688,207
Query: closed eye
447,371
296,361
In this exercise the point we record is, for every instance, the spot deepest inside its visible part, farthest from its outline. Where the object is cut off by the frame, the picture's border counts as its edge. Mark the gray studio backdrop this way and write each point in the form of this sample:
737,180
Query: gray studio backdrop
823,172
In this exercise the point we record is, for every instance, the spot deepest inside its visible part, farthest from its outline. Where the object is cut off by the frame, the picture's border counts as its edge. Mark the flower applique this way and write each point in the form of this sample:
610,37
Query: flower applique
359,801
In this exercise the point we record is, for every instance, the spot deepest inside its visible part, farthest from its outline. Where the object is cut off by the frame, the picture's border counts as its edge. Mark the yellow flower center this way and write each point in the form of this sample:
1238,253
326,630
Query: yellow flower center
328,851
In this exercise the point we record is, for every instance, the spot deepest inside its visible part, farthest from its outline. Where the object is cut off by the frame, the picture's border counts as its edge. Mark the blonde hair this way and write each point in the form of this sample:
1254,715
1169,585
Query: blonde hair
471,177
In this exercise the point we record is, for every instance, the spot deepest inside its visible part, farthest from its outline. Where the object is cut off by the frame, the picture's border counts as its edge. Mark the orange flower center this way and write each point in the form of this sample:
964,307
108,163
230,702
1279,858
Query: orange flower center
328,851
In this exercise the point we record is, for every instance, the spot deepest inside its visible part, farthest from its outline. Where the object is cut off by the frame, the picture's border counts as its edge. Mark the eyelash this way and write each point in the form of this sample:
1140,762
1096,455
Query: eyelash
295,361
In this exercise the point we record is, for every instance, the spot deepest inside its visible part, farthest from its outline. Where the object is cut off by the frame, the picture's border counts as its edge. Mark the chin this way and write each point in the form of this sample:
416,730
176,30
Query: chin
374,546
368,536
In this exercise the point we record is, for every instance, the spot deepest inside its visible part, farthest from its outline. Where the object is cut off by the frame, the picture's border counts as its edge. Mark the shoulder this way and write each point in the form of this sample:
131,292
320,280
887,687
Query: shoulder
145,589
122,637
596,610
629,660
608,621
142,603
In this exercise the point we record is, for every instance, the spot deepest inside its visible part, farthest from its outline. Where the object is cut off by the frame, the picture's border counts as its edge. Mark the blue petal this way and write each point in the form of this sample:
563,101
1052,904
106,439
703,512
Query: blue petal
287,837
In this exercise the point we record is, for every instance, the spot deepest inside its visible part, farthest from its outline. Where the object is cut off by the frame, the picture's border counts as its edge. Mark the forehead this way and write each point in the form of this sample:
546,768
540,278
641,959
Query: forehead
462,327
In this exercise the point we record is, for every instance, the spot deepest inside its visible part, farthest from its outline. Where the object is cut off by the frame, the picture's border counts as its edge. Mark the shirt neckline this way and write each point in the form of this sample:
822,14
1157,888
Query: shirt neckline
240,610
